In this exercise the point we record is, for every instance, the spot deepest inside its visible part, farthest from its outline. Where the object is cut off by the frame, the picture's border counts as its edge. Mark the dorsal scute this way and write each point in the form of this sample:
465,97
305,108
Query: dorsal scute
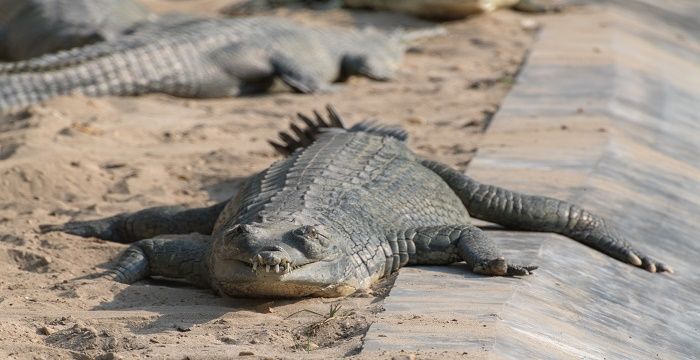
375,128
298,137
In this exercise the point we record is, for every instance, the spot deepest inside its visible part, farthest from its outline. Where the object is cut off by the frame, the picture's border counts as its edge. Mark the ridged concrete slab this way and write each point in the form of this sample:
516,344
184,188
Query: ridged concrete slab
606,113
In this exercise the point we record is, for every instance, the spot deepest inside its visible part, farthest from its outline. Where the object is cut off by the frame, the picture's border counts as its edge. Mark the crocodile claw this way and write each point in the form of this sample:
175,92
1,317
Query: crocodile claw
647,263
651,265
500,267
519,270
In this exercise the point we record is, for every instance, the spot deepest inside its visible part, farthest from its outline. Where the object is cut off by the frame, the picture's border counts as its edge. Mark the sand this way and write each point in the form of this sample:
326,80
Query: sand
81,158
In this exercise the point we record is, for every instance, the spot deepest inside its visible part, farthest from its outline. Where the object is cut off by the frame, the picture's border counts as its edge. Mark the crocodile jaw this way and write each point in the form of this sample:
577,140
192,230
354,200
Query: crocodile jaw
322,279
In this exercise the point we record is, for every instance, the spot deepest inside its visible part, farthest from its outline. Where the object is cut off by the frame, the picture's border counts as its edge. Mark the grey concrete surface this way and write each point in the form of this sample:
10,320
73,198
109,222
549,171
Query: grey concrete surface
606,113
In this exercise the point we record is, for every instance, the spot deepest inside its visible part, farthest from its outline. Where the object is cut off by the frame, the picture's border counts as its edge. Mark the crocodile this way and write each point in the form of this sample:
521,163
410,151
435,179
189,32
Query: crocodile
344,208
429,9
206,58
29,28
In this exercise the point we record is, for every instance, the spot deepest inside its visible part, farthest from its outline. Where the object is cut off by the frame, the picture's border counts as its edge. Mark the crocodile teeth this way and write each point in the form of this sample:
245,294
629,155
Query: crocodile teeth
267,268
255,266
277,268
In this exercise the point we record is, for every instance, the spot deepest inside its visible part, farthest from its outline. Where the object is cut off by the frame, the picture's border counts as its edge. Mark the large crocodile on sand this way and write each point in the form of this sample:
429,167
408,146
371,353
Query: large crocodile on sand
343,209
205,58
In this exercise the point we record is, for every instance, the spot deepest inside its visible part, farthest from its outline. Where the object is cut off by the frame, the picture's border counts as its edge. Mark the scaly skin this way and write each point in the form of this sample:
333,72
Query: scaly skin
344,209
202,59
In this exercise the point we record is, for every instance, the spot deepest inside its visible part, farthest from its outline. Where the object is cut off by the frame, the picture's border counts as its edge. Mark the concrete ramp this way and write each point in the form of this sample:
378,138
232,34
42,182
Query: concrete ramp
606,114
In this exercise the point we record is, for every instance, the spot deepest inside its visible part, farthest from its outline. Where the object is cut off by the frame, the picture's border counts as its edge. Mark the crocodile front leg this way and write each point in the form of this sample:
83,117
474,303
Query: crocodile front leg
447,244
174,257
300,77
539,213
129,227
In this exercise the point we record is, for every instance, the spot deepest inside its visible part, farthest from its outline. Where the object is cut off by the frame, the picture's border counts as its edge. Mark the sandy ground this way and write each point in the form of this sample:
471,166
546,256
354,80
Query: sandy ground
79,158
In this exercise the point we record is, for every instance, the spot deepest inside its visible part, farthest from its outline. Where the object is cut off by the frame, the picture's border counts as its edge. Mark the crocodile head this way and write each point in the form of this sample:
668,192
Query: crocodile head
280,260
375,55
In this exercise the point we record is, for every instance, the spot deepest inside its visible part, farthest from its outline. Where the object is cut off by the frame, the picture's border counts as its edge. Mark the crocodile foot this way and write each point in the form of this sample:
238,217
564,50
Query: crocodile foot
647,263
520,270
500,267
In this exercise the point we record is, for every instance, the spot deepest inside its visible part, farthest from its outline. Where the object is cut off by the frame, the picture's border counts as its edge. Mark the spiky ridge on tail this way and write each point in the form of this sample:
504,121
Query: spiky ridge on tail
298,137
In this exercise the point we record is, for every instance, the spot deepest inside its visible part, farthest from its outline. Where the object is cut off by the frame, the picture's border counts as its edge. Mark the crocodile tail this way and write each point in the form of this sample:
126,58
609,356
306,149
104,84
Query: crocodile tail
299,137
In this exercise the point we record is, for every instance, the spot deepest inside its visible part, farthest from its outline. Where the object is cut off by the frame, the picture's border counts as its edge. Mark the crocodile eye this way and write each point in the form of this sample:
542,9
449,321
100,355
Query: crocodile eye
311,242
307,232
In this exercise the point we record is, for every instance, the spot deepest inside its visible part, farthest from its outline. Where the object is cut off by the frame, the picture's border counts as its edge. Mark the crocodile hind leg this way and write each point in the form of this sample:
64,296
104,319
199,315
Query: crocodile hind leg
129,227
447,244
173,256
539,213
255,65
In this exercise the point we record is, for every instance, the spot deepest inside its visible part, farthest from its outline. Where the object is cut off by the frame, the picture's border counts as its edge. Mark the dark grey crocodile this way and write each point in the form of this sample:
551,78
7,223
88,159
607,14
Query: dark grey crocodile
29,28
343,209
205,58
